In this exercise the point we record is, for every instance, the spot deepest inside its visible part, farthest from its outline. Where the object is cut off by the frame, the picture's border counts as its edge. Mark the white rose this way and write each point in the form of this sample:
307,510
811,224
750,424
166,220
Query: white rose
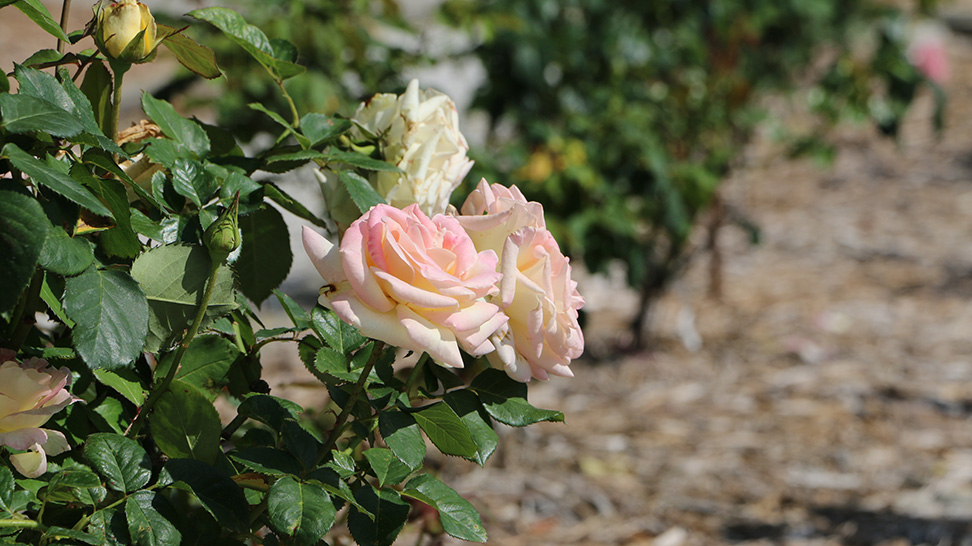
419,133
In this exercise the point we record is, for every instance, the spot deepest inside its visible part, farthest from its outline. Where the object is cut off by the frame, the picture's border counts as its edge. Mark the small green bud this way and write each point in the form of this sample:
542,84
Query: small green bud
223,235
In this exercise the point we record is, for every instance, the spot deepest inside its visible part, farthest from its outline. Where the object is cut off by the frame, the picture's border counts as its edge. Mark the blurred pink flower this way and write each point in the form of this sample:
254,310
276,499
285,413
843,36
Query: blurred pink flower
30,393
927,52
411,281
536,291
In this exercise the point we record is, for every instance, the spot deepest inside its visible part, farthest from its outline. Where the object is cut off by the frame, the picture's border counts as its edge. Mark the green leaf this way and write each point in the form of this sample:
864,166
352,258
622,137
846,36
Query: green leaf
267,460
75,476
361,192
249,37
96,86
6,490
53,533
277,118
174,277
100,159
402,435
446,430
23,232
270,410
122,462
81,107
191,180
362,161
459,518
207,363
112,316
186,132
300,510
292,205
467,406
185,424
387,467
39,14
46,58
340,336
331,362
109,526
218,494
66,255
124,382
342,463
43,174
25,114
298,316
320,128
146,525
265,256
198,58
505,399
120,241
301,443
390,513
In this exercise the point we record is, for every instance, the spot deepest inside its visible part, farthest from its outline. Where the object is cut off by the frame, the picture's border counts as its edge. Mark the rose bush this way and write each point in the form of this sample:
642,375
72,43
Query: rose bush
30,394
419,133
411,281
536,292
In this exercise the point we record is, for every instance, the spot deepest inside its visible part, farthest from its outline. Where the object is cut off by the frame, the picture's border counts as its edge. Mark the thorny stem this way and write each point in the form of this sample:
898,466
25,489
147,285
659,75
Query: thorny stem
163,385
65,10
338,427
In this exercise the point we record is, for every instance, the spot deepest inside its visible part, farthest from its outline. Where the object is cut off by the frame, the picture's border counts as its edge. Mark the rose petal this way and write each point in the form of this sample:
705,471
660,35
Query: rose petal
31,464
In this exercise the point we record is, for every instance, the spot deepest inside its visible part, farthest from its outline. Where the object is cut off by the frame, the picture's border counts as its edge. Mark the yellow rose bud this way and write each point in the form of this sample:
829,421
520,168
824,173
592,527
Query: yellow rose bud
120,24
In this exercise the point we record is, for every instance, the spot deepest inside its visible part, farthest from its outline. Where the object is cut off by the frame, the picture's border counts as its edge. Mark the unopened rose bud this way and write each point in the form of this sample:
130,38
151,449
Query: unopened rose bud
126,31
223,235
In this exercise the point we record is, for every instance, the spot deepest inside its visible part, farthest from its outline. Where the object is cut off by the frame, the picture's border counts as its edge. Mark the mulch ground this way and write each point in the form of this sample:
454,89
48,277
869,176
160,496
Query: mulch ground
823,399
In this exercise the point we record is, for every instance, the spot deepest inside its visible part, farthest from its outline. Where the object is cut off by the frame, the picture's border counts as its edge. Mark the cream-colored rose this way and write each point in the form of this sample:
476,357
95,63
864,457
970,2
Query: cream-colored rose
121,22
412,281
536,292
419,133
30,393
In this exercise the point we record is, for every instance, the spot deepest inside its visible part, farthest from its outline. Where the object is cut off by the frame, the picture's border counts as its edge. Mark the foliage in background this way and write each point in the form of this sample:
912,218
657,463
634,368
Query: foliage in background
334,41
623,118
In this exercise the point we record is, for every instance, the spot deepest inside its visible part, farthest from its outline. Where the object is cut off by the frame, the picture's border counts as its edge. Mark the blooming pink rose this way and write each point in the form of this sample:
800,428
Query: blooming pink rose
411,281
536,291
30,394
928,52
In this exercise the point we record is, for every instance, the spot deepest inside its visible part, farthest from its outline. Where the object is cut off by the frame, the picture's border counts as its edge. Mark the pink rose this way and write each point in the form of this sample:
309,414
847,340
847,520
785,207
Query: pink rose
928,52
536,291
30,394
411,281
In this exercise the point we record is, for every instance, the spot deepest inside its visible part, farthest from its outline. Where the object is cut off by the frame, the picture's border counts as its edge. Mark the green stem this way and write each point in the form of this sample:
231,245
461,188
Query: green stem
118,70
23,319
415,374
233,426
65,10
163,385
338,427
238,337
290,102
16,523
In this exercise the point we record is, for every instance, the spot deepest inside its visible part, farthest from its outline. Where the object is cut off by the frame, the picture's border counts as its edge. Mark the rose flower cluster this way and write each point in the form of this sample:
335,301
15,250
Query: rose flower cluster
489,279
